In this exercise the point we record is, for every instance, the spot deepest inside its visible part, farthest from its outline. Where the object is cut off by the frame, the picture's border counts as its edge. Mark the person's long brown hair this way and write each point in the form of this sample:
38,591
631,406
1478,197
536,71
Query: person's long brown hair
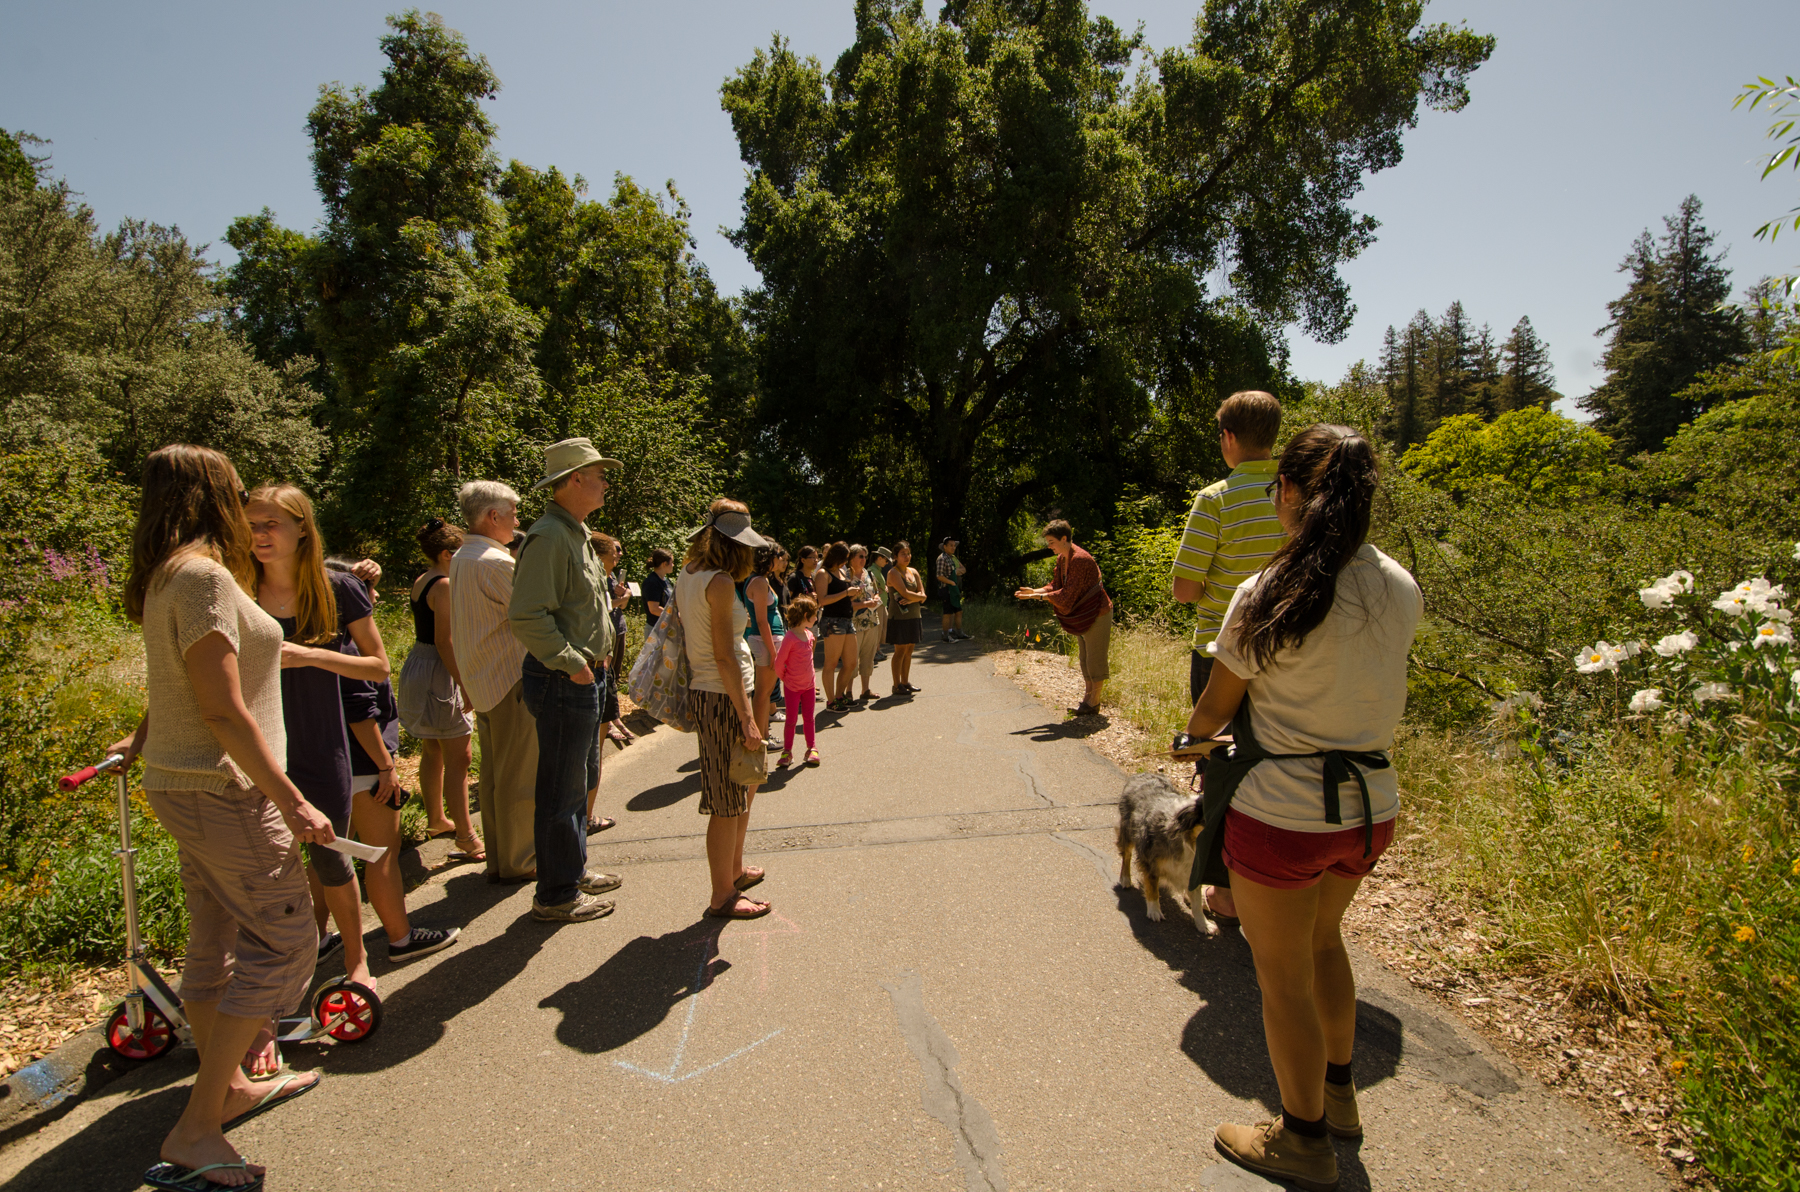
1335,471
315,603
192,505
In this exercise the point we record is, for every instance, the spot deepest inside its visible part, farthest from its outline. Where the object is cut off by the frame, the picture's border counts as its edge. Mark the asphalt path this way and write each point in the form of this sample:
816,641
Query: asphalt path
950,994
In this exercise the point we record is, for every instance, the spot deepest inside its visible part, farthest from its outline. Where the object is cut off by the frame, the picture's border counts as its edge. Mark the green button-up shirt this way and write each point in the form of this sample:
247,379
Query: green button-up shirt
561,609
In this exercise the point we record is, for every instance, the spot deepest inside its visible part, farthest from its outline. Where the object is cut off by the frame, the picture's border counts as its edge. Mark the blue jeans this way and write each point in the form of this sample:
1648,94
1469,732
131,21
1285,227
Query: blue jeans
568,732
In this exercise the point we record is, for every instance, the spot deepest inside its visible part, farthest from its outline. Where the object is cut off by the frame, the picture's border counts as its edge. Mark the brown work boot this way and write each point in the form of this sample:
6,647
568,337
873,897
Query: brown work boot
1341,1117
1271,1149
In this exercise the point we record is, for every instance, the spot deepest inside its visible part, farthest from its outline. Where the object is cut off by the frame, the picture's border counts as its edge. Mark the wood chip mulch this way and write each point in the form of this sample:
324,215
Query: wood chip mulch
37,1014
1612,1064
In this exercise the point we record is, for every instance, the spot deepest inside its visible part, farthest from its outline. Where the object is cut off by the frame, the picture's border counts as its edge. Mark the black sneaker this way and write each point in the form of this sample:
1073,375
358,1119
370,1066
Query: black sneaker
330,942
423,942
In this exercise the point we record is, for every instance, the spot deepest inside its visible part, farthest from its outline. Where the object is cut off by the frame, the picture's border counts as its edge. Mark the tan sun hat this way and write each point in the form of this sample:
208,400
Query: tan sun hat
567,456
734,525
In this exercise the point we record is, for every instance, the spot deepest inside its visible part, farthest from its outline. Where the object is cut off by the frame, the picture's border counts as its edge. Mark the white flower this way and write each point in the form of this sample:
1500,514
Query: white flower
1759,594
1677,643
1598,657
1732,603
1797,550
1631,649
1795,677
1647,700
1772,633
1711,691
1666,589
1778,614
1680,719
1518,699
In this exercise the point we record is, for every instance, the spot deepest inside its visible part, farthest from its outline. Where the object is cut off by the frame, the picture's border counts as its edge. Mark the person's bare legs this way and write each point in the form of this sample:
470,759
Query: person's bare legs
837,674
765,693
344,906
743,830
221,1091
378,824
594,791
903,663
1308,991
455,753
724,859
431,787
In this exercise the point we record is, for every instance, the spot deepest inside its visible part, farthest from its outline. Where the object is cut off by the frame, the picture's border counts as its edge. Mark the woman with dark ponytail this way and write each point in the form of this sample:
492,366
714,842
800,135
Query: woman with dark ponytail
1311,679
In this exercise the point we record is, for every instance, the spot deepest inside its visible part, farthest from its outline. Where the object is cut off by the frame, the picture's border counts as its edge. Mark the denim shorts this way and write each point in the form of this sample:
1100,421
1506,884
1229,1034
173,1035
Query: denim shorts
834,626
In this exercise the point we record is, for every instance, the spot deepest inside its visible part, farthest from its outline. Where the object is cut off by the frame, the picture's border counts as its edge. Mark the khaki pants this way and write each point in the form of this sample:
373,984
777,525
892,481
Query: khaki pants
1094,646
508,785
252,945
867,642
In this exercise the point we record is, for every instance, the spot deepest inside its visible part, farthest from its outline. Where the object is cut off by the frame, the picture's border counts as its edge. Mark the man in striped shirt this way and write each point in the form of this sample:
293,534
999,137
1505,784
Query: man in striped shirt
1232,531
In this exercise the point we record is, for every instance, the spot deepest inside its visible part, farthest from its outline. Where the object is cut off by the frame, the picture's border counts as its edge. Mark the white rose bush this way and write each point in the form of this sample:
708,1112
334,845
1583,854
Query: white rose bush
1728,655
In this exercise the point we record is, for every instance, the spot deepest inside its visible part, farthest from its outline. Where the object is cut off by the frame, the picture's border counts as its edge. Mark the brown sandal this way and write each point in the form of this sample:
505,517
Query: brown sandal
469,848
757,911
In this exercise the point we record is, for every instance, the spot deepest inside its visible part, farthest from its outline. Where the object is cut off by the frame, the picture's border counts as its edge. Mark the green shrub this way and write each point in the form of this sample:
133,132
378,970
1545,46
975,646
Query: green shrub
70,908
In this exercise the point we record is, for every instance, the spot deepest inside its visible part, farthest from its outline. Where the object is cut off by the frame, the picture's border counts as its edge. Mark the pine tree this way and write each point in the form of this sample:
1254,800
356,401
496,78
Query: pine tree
1484,376
1453,360
1526,377
1667,328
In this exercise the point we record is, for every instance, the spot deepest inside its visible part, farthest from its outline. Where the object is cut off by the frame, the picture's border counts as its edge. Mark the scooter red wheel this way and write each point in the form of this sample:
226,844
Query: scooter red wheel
349,1011
154,1041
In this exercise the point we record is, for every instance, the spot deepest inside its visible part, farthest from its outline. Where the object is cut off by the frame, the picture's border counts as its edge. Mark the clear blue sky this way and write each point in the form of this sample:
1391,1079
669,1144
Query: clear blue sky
1591,122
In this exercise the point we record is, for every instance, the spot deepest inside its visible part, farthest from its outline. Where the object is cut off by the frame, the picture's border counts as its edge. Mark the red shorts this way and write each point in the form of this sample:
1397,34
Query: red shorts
1289,860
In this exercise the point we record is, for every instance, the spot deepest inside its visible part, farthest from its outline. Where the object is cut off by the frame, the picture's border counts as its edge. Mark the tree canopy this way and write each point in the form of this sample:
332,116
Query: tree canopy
992,259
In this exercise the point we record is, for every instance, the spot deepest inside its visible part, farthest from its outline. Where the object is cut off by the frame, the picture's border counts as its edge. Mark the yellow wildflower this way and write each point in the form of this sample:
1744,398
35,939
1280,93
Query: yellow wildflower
1749,851
1744,933
1797,866
1677,1066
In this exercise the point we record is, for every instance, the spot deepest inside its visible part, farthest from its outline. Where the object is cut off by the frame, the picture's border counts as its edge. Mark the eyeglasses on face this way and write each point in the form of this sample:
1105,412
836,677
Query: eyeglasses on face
1271,486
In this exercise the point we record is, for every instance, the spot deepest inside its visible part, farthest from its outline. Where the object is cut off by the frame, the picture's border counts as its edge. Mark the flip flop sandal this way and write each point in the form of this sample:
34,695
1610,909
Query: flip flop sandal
601,824
474,850
760,909
175,1178
745,881
274,1098
280,1063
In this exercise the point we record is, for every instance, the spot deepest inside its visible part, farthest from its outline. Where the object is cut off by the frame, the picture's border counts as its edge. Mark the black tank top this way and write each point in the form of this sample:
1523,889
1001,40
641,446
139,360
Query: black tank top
834,585
424,620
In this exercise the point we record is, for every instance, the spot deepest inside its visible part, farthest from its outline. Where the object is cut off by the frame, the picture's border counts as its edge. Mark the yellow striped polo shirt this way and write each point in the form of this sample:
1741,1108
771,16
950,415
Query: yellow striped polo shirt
1231,534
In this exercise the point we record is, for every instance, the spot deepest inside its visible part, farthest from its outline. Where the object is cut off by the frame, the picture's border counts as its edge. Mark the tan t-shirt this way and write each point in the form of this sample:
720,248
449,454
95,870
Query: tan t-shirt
1344,687
195,598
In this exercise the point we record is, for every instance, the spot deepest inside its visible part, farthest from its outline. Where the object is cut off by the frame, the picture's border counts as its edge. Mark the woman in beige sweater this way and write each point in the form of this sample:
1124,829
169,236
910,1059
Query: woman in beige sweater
214,774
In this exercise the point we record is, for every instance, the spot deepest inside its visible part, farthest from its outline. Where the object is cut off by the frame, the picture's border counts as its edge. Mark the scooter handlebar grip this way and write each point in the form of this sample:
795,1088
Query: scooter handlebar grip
69,782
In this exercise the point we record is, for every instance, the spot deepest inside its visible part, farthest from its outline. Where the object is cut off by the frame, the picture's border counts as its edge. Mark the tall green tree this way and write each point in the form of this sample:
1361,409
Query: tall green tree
430,355
1670,326
983,243
114,341
1526,375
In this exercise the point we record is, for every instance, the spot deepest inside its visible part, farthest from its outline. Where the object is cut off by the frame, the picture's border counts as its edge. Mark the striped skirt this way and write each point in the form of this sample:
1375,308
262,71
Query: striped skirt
719,730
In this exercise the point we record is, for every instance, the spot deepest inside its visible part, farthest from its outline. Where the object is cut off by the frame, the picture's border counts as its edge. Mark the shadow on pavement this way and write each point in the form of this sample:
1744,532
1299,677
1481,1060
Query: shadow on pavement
1078,729
413,1018
669,793
637,987
110,1155
1225,1035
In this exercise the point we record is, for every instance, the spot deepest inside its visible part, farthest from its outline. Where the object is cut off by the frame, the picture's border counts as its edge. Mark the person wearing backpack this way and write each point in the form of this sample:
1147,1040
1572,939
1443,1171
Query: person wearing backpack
1310,673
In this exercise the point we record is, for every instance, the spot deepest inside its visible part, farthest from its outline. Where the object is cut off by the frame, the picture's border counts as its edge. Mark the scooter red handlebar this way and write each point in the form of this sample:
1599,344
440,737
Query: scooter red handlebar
86,774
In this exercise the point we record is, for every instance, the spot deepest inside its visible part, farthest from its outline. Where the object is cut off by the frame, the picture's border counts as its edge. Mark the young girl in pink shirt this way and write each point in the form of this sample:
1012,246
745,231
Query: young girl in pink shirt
794,666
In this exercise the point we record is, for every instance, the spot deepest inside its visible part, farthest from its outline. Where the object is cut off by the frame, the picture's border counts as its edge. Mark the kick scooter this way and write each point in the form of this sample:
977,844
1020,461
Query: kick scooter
149,1023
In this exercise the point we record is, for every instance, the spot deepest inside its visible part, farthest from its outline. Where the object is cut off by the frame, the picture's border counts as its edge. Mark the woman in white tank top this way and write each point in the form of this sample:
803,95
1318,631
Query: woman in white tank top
719,556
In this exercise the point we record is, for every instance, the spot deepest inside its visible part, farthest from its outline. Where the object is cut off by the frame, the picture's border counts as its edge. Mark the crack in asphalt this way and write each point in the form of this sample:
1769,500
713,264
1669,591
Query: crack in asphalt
1022,759
971,1128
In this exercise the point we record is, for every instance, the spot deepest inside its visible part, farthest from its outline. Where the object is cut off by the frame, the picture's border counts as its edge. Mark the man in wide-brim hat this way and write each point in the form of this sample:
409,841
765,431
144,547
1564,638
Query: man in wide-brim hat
562,611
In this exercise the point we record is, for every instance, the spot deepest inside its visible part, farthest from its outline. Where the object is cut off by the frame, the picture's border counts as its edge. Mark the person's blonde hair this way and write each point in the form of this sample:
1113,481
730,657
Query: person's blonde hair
192,504
1253,416
712,551
315,603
